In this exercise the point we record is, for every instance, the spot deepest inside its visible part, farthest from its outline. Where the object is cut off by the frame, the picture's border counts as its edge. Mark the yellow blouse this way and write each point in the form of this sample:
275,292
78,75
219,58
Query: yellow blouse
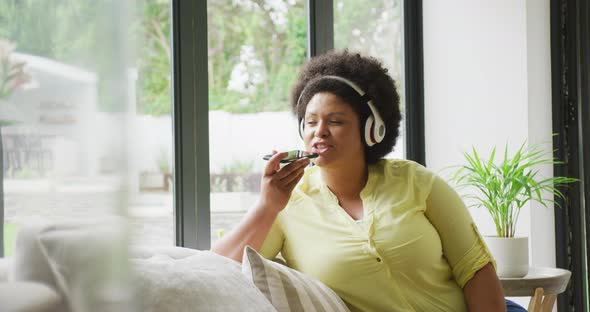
414,249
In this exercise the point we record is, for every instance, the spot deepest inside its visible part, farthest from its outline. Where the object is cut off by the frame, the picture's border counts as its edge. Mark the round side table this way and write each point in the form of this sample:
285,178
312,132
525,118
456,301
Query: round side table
541,284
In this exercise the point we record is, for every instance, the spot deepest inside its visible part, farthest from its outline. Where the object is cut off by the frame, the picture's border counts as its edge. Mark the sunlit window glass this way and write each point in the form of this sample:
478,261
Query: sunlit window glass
253,63
151,208
374,28
86,123
69,121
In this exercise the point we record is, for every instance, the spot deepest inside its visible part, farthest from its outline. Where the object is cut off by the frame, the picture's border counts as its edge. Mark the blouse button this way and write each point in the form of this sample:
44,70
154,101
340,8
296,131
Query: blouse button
378,259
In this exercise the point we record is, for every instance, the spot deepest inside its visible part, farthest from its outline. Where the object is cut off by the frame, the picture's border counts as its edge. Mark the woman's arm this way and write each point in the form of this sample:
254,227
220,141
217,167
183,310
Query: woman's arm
464,249
275,191
483,291
251,231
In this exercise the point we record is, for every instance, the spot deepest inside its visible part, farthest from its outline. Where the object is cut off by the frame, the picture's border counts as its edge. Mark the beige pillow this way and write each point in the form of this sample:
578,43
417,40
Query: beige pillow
185,281
288,289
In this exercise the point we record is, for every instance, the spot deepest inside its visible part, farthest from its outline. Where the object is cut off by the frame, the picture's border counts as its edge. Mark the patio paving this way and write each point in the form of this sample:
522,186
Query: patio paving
151,214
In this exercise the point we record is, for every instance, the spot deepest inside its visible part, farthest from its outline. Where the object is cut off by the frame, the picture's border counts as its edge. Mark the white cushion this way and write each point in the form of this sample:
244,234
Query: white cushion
83,260
5,267
145,252
28,297
287,289
29,260
203,281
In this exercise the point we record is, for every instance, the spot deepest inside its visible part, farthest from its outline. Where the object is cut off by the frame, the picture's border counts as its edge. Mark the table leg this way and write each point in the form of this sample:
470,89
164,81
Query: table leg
536,301
548,302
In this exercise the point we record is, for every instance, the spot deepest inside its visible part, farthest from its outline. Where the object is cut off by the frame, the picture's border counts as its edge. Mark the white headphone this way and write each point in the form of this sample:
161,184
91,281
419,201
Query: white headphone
374,126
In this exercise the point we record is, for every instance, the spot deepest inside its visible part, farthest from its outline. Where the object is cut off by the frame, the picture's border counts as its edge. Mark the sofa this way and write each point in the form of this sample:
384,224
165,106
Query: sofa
88,266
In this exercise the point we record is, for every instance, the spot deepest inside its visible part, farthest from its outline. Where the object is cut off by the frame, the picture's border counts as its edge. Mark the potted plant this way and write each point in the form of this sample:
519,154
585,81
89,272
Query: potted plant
503,187
12,77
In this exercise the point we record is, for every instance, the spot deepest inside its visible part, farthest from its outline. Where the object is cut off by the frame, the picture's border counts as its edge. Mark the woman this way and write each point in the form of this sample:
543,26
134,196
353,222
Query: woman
385,235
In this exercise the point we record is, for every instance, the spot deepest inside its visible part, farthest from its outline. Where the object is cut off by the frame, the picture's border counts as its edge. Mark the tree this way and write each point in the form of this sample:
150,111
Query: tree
255,47
271,34
264,42
152,30
78,33
65,31
379,34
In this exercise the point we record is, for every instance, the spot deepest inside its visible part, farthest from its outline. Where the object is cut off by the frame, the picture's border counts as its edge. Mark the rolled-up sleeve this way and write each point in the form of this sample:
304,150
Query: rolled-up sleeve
462,243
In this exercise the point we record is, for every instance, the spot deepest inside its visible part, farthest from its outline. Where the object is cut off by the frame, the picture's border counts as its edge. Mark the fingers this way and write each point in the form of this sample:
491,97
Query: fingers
288,182
292,170
291,184
274,163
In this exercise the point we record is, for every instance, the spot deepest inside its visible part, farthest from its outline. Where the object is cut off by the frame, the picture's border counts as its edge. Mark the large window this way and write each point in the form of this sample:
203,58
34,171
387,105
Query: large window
86,122
240,99
252,64
163,115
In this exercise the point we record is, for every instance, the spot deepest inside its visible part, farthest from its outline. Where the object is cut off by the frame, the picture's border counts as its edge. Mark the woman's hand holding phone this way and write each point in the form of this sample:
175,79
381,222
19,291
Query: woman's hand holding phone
279,181
293,156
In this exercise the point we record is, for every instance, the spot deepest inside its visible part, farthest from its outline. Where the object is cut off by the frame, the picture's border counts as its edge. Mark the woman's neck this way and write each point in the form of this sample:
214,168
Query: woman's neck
346,183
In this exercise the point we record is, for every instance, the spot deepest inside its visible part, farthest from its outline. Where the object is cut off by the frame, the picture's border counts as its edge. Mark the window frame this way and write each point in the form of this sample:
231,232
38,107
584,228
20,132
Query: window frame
190,124
570,79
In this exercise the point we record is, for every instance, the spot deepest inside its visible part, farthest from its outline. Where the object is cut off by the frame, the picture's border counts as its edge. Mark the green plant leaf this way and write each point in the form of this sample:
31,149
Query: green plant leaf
504,187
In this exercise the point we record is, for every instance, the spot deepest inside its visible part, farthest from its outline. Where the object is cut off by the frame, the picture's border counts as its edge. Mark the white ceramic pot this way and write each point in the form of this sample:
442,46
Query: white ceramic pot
511,255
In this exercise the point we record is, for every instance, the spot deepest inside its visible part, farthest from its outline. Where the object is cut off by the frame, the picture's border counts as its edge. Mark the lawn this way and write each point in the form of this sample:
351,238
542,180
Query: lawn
9,236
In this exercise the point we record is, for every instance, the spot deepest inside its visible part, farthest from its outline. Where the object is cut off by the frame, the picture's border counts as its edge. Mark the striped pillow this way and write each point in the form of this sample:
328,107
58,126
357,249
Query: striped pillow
287,289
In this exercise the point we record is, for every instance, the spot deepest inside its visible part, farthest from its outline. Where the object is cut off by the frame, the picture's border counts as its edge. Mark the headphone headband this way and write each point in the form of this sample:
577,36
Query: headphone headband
342,79
374,127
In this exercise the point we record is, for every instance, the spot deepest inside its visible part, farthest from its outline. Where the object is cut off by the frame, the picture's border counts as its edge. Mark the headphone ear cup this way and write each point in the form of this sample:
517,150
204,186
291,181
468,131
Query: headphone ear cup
378,131
369,128
301,125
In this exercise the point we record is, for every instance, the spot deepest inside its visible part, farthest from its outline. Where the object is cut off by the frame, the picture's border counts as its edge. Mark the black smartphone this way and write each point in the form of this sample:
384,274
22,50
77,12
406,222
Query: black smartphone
293,156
